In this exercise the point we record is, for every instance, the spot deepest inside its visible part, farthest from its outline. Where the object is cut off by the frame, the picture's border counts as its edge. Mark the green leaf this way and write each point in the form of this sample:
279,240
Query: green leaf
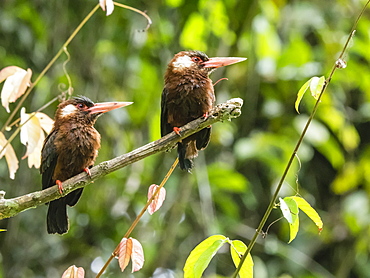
300,94
316,85
237,249
309,211
201,255
289,207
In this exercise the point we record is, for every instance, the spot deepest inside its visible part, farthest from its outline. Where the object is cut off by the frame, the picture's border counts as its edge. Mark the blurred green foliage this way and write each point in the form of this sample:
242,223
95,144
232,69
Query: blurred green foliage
286,42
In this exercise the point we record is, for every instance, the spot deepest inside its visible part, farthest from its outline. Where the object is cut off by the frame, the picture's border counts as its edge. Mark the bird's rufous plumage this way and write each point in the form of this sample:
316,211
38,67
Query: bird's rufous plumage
187,95
70,148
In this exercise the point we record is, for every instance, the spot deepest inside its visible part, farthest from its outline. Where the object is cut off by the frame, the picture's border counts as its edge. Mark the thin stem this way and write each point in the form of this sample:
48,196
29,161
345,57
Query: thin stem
280,184
48,66
136,221
137,11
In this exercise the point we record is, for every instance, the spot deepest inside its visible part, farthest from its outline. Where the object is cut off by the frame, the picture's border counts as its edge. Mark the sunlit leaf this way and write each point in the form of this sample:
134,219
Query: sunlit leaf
285,210
201,255
8,71
158,199
45,121
32,135
74,272
316,86
309,211
300,94
10,156
237,250
107,5
137,255
291,205
15,85
124,252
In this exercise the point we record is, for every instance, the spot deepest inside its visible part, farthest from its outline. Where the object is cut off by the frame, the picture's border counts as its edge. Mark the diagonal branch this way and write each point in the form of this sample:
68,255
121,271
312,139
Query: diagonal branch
11,207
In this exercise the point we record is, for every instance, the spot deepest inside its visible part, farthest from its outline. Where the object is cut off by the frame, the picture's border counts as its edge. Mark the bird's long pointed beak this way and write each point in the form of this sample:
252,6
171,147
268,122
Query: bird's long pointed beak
217,62
103,107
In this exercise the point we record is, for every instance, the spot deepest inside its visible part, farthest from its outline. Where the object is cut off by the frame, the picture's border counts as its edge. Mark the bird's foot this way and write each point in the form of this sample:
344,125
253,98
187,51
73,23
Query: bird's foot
177,130
60,186
87,171
205,115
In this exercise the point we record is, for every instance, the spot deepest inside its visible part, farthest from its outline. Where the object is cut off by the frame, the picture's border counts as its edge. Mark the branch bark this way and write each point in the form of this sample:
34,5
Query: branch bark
222,112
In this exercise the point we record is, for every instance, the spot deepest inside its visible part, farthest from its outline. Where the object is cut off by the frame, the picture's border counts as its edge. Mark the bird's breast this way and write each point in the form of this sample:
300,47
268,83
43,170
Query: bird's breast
77,149
188,98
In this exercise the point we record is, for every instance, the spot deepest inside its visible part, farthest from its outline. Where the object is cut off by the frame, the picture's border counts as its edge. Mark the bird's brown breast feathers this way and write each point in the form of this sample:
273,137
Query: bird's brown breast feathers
188,97
77,155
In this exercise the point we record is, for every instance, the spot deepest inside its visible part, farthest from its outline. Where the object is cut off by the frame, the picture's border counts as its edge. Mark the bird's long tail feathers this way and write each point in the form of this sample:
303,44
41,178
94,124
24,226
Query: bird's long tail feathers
186,151
57,219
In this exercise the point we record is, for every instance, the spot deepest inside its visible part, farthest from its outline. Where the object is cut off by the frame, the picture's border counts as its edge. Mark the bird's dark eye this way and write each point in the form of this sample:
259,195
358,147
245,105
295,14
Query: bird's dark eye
196,59
80,105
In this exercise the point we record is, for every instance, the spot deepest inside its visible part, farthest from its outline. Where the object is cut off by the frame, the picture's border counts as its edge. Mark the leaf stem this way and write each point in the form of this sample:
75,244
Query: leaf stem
137,11
280,184
136,221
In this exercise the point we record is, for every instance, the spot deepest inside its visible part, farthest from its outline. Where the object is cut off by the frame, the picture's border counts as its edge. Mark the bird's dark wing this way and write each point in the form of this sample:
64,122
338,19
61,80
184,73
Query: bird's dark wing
49,158
165,126
202,138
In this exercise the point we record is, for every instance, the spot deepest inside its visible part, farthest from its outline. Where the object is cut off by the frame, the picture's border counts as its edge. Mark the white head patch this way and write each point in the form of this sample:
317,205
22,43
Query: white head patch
182,62
69,109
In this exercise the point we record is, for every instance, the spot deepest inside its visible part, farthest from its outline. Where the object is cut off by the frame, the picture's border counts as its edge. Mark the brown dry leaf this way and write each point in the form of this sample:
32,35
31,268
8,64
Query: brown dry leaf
158,199
11,158
74,272
15,84
107,5
137,256
125,251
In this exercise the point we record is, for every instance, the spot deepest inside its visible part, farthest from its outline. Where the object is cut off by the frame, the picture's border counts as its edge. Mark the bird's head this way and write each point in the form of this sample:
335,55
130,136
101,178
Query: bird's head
82,109
198,62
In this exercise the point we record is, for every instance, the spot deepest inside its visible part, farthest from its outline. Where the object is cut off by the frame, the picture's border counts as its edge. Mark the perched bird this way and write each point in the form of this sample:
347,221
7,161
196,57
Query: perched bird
70,149
187,95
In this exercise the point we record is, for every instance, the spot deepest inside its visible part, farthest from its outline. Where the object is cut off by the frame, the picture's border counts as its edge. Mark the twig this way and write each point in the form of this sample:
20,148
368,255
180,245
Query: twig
137,11
294,153
133,225
224,111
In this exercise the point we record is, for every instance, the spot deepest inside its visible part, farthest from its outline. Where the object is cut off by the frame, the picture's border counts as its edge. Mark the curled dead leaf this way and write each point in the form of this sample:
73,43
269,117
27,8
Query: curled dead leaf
16,82
107,5
137,256
130,248
124,253
158,199
32,135
74,272
11,158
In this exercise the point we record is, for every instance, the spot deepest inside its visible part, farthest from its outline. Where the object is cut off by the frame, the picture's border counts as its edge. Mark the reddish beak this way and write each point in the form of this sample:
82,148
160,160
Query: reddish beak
106,106
217,62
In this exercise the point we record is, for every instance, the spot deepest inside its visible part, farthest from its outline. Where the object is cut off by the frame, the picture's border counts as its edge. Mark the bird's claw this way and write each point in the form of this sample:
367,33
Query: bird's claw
177,130
205,116
87,171
60,186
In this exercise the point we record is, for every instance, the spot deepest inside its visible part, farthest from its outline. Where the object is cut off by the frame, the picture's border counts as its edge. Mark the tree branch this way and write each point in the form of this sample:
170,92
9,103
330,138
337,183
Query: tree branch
11,207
